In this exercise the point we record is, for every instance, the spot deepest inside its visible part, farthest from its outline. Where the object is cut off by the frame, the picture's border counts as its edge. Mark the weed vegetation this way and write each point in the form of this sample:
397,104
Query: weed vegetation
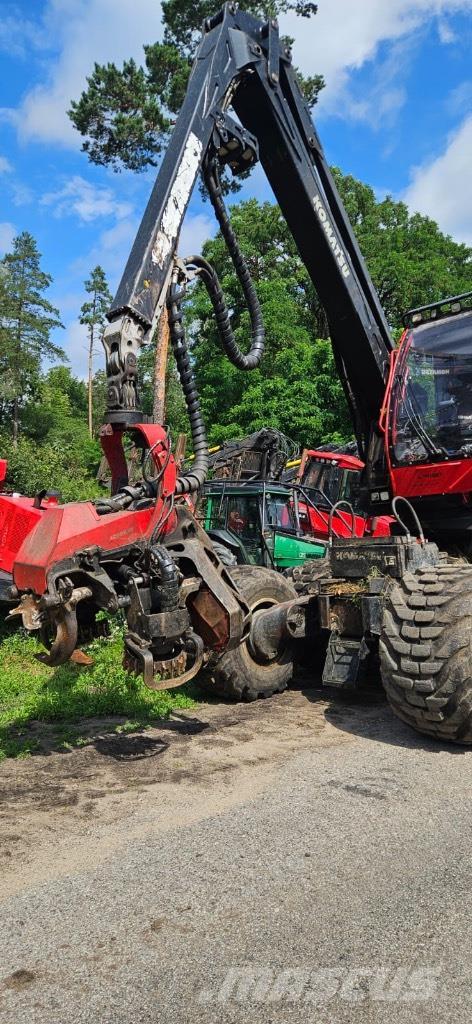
32,694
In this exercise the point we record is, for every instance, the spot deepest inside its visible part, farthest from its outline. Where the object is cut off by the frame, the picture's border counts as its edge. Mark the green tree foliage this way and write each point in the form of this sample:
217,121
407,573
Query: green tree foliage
296,388
411,261
26,322
54,449
92,314
99,397
125,114
33,466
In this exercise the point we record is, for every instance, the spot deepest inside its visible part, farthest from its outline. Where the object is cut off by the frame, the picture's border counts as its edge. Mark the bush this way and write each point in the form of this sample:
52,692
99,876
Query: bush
52,465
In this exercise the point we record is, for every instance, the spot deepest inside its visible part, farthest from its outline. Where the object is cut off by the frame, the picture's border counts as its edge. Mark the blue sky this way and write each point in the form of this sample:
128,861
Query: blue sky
396,112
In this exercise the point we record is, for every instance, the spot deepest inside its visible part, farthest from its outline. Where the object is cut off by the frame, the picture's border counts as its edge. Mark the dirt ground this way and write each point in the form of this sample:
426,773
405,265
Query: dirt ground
63,811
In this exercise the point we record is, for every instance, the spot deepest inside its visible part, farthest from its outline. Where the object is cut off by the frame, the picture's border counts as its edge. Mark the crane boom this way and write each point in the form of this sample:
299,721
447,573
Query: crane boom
240,65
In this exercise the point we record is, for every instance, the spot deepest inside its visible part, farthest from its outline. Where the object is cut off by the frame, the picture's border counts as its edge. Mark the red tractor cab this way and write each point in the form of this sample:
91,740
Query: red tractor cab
326,479
427,416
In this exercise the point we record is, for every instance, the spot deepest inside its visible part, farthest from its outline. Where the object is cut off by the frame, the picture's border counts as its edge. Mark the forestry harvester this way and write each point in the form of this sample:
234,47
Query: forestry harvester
141,550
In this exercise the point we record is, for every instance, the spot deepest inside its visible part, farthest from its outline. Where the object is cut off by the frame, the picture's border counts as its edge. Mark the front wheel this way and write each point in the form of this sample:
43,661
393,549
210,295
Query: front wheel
426,651
236,675
225,555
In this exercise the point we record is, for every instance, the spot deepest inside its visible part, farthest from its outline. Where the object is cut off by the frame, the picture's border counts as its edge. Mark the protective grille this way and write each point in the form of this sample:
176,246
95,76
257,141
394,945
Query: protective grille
19,527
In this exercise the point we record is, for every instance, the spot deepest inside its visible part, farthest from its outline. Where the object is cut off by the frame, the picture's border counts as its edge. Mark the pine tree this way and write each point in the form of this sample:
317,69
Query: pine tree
92,313
26,322
125,114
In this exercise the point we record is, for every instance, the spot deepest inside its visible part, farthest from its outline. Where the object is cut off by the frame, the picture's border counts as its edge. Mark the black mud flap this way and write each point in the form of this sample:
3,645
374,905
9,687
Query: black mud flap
344,664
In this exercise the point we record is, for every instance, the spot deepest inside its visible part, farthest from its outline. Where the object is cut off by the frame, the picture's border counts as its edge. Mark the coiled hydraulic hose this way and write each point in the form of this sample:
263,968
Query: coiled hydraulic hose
245,361
251,359
169,585
194,479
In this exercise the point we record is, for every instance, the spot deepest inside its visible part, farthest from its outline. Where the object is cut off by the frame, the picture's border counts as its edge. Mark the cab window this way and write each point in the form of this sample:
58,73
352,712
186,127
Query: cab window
279,512
243,516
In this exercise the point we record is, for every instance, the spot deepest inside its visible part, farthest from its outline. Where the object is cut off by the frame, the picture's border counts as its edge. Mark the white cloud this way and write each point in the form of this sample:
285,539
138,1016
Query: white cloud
345,35
459,101
111,251
445,32
440,187
21,194
18,36
85,200
82,31
7,234
341,38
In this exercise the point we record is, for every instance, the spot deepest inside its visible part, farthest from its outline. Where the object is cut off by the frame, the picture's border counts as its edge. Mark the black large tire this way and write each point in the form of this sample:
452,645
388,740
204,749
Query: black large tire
225,555
237,675
426,651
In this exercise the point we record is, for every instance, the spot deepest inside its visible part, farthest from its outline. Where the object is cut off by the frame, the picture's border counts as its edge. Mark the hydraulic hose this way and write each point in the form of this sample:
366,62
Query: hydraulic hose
197,476
169,588
251,359
207,275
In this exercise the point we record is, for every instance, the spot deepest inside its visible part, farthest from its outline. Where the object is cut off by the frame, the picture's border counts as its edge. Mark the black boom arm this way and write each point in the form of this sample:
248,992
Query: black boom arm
240,66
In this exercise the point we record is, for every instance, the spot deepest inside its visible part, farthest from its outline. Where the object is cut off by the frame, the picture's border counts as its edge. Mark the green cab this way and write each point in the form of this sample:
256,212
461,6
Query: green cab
256,523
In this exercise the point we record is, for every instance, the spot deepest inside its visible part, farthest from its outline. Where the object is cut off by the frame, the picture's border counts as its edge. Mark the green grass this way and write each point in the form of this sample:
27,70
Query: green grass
34,696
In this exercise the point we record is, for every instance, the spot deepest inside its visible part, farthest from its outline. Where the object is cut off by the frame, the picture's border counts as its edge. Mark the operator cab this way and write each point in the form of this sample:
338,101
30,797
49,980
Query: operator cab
332,476
258,522
430,405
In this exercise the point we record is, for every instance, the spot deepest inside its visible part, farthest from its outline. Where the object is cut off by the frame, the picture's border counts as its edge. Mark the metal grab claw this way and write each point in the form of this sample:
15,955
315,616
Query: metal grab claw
36,615
139,659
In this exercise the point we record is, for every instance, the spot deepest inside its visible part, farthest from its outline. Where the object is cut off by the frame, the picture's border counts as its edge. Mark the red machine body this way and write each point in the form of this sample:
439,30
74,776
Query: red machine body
33,539
18,517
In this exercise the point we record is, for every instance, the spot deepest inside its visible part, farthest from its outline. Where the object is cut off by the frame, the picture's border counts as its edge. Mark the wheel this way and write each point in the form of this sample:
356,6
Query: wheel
237,675
426,651
304,578
225,555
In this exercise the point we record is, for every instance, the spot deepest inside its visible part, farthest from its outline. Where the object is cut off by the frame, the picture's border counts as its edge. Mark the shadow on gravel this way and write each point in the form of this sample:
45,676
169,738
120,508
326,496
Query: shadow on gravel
367,714
111,736
135,748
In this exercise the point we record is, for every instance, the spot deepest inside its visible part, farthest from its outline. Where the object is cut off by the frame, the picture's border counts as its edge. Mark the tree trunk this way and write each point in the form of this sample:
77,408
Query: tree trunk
160,364
90,384
15,421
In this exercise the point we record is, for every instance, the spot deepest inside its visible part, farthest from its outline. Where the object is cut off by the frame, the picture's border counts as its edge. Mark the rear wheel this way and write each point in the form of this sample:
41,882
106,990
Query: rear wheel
425,651
237,675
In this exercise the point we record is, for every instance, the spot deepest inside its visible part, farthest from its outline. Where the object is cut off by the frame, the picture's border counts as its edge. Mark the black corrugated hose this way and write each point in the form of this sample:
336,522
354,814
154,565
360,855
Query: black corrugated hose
197,476
249,361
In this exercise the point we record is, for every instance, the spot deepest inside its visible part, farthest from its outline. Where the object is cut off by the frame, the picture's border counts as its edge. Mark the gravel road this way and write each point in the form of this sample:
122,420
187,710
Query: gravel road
292,861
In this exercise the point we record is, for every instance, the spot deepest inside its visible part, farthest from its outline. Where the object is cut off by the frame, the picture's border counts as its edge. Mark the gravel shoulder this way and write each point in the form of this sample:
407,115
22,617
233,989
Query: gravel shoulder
325,839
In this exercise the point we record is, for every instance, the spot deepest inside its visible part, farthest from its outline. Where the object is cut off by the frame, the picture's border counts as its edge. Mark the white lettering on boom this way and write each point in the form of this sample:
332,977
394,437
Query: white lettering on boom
330,235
